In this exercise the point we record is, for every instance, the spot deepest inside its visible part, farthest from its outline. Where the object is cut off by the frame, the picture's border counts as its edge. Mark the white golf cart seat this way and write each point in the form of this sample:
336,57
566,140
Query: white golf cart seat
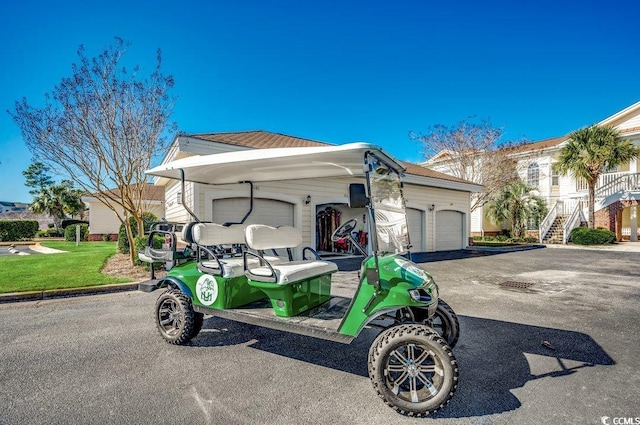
260,237
211,234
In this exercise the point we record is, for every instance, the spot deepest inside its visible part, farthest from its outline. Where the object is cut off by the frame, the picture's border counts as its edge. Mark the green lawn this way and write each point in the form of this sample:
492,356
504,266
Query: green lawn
78,267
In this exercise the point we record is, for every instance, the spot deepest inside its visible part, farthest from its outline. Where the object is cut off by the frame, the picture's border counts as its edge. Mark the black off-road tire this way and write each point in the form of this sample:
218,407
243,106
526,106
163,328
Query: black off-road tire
175,319
446,323
413,369
444,320
198,319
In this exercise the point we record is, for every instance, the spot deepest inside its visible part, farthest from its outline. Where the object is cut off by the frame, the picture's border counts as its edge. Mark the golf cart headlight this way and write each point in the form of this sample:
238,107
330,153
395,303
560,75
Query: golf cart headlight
420,295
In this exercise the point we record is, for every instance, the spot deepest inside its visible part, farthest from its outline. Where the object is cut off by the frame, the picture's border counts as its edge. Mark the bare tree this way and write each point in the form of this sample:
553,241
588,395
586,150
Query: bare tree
102,126
471,151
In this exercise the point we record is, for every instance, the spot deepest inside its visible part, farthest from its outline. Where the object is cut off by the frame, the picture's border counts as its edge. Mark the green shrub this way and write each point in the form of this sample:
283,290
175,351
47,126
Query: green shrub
70,233
477,238
50,233
502,238
531,239
106,237
586,236
70,222
489,238
54,233
516,240
15,230
123,240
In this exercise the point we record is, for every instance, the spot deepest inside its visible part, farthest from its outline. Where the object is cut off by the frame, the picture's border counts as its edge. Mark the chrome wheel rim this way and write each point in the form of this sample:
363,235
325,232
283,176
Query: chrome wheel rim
170,317
438,324
414,373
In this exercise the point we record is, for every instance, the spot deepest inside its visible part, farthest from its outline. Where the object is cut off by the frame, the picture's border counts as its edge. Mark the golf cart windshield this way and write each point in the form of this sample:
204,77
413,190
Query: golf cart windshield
388,206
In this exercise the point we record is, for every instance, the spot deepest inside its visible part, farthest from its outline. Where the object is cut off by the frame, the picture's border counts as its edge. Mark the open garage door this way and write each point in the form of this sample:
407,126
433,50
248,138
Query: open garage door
265,211
449,227
416,229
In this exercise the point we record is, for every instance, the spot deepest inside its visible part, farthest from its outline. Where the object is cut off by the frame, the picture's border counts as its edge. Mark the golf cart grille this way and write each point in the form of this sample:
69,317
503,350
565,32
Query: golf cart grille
516,284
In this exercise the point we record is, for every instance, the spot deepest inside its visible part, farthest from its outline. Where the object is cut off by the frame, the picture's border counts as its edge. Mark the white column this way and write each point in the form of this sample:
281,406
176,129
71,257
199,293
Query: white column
633,165
633,219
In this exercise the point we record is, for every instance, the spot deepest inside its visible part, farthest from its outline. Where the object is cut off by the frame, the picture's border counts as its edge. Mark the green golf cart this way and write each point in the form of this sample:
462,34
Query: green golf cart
260,275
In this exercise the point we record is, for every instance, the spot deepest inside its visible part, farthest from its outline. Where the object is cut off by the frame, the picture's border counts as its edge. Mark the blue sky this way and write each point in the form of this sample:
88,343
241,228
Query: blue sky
338,71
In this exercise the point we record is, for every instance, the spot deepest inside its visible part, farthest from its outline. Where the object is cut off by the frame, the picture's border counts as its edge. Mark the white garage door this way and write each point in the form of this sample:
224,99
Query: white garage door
265,211
448,230
416,229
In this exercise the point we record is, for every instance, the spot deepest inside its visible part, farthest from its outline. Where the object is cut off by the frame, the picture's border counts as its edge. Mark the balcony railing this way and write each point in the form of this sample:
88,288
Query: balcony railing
623,182
603,180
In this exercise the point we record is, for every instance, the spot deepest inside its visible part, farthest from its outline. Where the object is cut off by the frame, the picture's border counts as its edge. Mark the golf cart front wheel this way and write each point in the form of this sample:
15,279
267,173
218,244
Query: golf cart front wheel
444,320
413,369
176,320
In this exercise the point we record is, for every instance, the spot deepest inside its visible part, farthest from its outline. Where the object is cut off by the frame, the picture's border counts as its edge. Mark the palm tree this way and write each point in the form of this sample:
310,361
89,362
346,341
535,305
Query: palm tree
589,152
58,201
518,204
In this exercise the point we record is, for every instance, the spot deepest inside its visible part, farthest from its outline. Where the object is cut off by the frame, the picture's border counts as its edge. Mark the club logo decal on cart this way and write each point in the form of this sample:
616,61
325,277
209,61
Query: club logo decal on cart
207,289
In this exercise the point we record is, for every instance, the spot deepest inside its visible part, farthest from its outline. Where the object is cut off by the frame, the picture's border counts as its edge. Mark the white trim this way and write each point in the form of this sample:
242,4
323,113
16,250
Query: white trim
442,183
89,199
633,223
620,114
423,236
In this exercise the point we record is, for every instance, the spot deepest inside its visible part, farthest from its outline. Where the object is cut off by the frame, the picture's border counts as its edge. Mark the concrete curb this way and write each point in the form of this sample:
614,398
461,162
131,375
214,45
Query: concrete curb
66,293
512,248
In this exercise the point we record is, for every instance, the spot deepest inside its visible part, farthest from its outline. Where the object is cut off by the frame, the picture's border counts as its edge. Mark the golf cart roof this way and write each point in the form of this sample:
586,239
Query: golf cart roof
274,164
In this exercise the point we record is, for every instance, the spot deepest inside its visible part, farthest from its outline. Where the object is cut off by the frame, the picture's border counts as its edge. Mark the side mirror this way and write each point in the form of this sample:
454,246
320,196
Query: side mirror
357,196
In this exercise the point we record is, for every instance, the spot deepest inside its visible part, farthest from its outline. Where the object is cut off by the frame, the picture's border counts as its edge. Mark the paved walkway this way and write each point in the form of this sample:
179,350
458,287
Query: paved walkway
621,246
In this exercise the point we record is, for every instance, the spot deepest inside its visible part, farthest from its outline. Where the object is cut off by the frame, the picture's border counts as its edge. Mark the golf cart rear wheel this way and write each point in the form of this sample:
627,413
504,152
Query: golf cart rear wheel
444,320
175,318
413,369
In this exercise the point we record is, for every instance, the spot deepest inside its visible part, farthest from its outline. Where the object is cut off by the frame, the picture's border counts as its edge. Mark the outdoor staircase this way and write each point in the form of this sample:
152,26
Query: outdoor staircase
556,231
567,214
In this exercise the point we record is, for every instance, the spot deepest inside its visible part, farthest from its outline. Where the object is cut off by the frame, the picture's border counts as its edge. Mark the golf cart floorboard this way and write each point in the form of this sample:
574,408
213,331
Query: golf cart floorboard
319,322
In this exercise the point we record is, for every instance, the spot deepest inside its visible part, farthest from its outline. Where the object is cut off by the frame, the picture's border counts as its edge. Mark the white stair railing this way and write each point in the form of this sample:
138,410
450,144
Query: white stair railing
545,224
572,222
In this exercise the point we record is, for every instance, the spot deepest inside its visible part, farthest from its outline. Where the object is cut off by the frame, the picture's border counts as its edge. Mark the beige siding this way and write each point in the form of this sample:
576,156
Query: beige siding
629,122
421,197
325,191
480,223
175,212
103,220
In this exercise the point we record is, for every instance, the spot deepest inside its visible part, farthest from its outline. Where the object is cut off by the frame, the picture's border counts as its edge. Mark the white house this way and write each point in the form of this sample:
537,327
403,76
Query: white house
617,192
438,204
6,207
104,221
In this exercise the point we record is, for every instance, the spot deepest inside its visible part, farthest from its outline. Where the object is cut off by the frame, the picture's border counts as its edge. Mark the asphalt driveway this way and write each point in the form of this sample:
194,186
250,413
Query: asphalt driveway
562,350
9,250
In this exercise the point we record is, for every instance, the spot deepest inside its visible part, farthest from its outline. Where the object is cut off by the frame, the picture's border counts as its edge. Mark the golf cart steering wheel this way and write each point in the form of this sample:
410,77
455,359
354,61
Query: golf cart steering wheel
344,229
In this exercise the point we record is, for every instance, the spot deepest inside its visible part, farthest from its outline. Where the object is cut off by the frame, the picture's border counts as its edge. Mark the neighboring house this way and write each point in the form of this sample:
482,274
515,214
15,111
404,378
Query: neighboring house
6,207
617,192
437,204
103,220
